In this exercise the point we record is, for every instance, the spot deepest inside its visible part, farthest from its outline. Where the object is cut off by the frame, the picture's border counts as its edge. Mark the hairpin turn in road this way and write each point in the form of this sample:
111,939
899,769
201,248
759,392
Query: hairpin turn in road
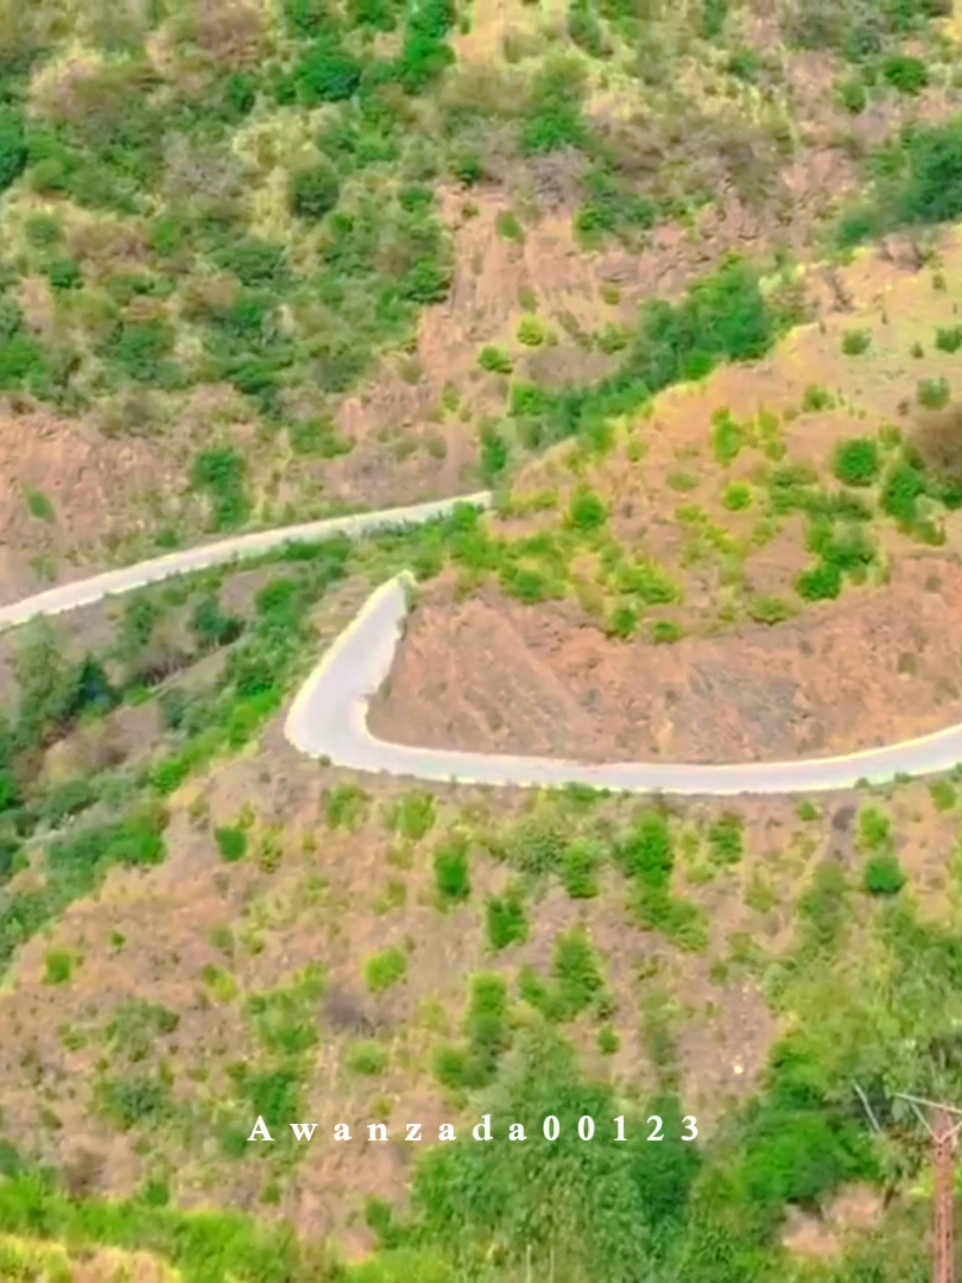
328,717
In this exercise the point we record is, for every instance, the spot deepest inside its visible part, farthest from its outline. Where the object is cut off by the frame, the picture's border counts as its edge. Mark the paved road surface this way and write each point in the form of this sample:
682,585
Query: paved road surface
328,718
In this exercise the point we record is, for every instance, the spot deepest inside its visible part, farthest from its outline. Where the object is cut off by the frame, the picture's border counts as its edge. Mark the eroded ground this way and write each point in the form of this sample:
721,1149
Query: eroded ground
880,667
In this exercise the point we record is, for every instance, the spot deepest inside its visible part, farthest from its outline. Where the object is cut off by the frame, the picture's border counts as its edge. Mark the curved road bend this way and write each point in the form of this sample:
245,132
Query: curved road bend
328,717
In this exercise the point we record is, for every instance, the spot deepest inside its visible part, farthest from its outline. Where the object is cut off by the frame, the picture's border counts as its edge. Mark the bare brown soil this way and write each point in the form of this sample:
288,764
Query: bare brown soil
491,675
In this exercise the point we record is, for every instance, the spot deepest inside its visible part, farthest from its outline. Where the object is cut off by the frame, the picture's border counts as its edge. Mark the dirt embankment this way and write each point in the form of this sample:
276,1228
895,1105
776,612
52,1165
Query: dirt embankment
491,675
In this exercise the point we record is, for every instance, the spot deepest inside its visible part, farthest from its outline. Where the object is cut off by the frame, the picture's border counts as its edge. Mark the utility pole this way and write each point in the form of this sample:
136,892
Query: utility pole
943,1124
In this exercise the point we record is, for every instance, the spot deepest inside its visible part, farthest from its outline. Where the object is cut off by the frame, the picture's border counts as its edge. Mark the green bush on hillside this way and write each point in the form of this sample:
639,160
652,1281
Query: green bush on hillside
587,511
507,922
327,73
822,583
857,462
452,872
906,74
313,192
884,874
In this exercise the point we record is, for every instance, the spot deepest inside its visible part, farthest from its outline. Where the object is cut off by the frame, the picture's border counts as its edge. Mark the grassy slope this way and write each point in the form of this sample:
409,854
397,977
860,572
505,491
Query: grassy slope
832,459
219,229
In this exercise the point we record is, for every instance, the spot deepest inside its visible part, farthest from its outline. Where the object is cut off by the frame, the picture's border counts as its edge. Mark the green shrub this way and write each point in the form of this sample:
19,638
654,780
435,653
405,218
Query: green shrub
856,342
467,167
903,487
415,815
906,74
949,340
728,437
857,462
221,474
816,398
934,394
883,875
650,583
485,1023
768,610
822,583
23,362
452,876
59,965
41,507
665,632
475,1065
726,840
679,920
555,120
495,454
232,844
367,1058
932,187
943,794
576,973
737,496
531,333
507,922
622,622
326,73
140,348
198,1245
344,805
386,969
507,226
723,317
874,829
587,511
133,1102
313,192
211,626
824,906
495,360
65,274
536,846
578,870
9,790
852,96
254,261
526,583
43,230
608,1041
846,546
646,852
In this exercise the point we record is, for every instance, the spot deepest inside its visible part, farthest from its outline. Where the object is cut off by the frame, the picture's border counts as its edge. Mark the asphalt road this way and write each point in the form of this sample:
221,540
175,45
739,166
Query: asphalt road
328,718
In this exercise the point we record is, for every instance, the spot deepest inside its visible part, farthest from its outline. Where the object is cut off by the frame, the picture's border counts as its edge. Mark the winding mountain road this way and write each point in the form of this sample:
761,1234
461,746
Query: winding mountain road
328,718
